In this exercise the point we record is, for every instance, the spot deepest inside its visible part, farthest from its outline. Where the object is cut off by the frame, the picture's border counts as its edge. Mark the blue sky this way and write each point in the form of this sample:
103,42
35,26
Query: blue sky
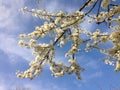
12,57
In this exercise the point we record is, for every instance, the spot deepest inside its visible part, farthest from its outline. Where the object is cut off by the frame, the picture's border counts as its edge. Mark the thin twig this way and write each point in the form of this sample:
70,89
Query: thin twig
85,5
99,7
91,8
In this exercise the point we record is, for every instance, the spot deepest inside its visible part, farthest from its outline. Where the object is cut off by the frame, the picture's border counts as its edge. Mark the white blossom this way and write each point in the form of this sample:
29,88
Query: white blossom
67,28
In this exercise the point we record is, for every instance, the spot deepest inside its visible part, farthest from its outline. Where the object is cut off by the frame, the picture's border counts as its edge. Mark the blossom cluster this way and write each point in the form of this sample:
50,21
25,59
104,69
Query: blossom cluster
65,27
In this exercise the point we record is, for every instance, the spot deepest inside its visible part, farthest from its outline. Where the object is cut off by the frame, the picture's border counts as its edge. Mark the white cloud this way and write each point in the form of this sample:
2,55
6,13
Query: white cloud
9,11
30,86
55,6
10,18
45,86
92,64
87,79
95,75
13,84
2,86
10,24
9,45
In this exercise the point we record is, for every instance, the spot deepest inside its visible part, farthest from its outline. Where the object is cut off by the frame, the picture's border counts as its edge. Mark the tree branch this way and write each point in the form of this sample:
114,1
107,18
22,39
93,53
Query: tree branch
85,5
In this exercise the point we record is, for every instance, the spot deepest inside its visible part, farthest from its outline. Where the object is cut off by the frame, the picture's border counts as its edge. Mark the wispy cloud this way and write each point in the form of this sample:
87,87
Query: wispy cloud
95,75
8,14
52,6
2,86
87,78
10,17
92,64
13,84
9,44
10,24
55,6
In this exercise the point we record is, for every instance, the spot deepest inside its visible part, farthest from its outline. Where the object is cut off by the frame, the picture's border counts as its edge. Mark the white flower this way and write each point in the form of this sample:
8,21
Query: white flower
33,41
118,20
21,43
37,58
22,35
105,3
71,61
117,66
38,11
37,72
59,74
37,28
46,26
